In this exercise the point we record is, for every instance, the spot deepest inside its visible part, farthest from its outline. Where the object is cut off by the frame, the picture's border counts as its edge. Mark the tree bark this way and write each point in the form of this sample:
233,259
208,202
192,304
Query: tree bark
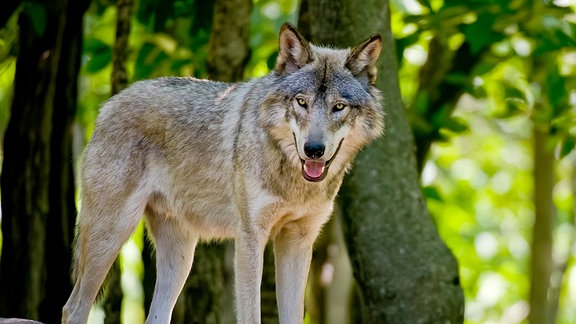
119,77
405,272
37,178
229,46
541,263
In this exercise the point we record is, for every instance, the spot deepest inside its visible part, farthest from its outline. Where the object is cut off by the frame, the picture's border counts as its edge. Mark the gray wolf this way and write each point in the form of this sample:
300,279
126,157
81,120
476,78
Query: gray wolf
255,161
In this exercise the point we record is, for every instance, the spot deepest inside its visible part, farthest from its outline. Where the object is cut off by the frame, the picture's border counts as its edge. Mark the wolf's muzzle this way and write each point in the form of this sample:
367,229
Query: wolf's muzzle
315,170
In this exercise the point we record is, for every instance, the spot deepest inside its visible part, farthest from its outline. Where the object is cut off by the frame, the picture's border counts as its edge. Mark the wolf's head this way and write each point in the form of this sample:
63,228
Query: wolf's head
324,107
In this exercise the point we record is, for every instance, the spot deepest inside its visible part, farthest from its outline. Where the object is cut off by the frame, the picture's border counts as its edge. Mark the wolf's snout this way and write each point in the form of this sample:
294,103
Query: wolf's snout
314,150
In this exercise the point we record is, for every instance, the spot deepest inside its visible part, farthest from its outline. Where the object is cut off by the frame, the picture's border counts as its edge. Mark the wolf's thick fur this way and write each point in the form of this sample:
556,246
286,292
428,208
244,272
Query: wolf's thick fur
206,160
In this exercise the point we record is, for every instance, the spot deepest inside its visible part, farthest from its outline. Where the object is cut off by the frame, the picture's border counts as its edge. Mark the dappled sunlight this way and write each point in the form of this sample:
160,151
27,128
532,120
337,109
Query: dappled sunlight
488,232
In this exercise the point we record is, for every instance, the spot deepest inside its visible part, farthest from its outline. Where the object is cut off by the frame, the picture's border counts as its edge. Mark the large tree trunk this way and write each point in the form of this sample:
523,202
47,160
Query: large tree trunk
405,272
37,179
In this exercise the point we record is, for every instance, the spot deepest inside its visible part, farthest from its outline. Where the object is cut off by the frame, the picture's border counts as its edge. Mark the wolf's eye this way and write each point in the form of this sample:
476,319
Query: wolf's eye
339,107
301,102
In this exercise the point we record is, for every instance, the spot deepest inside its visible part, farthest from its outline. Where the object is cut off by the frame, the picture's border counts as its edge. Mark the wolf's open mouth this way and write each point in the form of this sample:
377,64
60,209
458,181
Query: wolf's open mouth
314,170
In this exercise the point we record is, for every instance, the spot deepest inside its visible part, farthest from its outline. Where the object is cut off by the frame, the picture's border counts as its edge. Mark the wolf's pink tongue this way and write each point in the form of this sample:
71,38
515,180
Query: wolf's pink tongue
314,169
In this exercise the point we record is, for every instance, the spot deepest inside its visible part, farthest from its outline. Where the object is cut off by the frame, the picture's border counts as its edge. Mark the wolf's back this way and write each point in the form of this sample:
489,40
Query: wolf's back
175,123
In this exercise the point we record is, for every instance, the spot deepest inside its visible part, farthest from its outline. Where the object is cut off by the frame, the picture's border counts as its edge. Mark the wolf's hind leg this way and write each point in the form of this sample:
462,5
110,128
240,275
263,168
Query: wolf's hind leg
102,230
175,245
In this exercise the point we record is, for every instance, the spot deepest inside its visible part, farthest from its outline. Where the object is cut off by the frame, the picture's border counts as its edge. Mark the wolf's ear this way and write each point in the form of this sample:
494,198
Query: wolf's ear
294,51
362,58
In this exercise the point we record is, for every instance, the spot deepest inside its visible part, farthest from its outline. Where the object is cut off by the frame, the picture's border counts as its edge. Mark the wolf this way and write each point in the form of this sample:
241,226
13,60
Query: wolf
201,160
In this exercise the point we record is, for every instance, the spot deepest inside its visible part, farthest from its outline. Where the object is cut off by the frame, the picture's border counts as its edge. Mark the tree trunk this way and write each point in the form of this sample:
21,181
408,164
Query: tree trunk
405,272
229,43
37,178
199,302
542,264
202,299
119,77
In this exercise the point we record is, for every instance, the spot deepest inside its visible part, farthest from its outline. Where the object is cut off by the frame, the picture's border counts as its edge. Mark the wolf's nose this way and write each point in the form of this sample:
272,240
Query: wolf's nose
314,150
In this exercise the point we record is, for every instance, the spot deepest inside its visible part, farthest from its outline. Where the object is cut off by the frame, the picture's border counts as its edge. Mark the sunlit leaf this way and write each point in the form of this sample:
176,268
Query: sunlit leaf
431,192
99,53
556,89
567,146
147,61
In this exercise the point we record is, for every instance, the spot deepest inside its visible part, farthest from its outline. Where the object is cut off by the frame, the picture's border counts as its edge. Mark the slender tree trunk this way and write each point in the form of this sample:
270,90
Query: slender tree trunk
118,80
203,294
119,77
542,264
37,179
62,198
405,272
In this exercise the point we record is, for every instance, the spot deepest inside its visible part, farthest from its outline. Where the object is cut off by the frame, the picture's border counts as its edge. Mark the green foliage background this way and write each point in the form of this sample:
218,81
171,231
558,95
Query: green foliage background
478,175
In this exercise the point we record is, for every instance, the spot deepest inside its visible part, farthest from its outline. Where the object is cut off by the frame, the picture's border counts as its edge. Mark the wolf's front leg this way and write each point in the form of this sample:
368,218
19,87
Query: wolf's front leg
293,253
248,265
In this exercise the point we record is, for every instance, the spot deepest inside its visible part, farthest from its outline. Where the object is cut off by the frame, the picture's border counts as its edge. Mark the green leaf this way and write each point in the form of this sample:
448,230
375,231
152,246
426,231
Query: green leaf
443,120
271,60
557,94
567,146
150,62
92,45
99,53
98,62
144,63
425,3
431,192
481,34
455,125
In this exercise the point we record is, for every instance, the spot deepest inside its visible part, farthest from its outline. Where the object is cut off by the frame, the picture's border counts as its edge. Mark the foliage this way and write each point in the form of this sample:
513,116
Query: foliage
8,40
479,179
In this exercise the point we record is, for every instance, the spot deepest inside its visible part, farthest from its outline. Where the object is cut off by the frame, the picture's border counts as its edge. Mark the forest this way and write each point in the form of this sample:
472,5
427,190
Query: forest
463,212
